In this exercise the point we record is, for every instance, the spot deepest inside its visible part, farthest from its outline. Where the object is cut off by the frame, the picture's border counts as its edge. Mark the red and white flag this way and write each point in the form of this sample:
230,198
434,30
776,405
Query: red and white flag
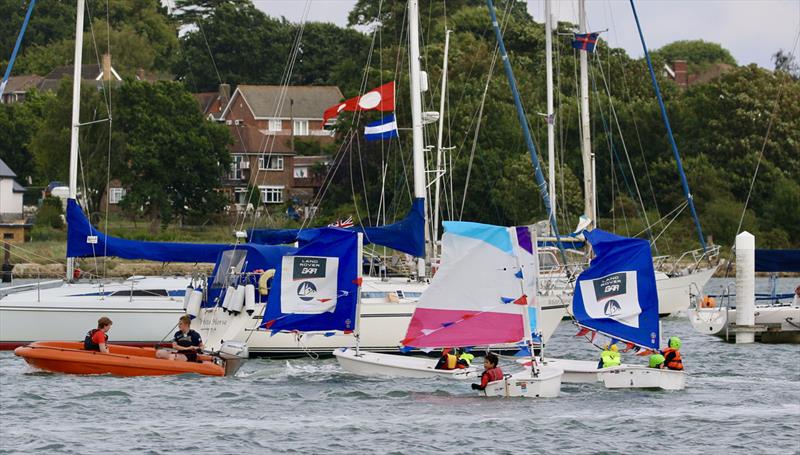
380,99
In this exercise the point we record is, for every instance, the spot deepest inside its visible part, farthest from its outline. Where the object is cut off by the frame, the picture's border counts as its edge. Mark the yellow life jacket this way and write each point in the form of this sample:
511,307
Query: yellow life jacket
610,359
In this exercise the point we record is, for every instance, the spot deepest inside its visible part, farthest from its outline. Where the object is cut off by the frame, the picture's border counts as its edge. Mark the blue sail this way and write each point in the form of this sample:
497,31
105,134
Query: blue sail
407,235
316,287
84,240
777,260
617,294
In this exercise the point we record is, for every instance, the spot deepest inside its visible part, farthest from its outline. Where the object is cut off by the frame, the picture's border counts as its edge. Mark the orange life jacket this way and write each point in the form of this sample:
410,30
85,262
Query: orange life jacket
672,359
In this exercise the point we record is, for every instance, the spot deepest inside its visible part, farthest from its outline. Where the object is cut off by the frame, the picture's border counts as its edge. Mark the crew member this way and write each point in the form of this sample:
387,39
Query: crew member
465,360
656,361
609,357
672,356
97,339
186,342
491,372
447,361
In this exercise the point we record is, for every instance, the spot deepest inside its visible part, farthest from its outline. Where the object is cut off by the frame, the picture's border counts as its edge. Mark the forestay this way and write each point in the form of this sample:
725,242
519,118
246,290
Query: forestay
316,288
617,295
477,296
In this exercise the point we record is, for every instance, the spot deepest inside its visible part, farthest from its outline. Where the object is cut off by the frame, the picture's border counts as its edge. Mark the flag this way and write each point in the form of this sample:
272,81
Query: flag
381,99
343,223
586,41
384,128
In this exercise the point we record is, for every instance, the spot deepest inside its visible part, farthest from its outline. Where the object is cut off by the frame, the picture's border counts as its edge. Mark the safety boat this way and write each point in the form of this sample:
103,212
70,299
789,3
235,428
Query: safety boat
70,357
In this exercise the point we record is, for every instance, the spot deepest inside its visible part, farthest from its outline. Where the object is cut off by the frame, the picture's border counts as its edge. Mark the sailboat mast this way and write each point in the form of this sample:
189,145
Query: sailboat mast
439,172
589,208
76,117
416,112
551,133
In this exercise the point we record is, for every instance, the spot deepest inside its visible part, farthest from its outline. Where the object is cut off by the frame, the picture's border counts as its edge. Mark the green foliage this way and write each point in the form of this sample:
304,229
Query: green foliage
50,214
697,53
173,158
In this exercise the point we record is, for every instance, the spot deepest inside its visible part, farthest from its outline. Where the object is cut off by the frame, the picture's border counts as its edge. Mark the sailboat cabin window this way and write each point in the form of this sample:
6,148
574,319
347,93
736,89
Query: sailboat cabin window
230,264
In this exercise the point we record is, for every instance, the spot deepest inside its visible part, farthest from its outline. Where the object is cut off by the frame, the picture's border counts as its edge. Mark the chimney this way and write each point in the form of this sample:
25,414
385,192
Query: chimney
107,67
140,74
681,74
224,92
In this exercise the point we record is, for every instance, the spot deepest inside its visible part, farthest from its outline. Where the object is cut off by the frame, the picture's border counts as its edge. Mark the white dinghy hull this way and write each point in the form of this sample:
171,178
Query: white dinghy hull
641,377
576,371
366,363
546,385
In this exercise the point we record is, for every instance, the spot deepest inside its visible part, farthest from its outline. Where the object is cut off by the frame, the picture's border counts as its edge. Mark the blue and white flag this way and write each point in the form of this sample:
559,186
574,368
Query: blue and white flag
384,128
617,294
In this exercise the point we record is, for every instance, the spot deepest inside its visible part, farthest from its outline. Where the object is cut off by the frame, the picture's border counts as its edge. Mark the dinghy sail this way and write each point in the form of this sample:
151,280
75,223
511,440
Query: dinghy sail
616,296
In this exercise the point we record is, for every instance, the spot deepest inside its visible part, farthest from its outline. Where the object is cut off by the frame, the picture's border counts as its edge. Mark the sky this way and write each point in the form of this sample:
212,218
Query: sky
752,30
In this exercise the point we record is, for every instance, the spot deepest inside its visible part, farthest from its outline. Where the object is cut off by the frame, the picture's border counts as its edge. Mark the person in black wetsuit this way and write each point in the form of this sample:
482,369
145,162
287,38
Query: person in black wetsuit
186,342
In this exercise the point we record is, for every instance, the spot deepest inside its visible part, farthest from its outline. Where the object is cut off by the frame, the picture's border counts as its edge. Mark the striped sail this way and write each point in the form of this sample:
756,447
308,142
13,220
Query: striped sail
477,296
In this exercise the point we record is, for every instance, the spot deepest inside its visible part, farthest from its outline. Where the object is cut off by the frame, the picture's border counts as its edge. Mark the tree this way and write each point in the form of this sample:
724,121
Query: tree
18,123
173,158
697,53
785,62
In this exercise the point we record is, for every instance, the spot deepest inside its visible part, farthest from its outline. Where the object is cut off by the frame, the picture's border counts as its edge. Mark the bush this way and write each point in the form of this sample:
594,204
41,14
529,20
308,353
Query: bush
51,214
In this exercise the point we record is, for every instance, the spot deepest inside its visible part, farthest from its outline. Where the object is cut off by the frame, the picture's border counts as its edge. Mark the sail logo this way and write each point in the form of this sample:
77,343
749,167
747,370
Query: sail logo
306,291
614,297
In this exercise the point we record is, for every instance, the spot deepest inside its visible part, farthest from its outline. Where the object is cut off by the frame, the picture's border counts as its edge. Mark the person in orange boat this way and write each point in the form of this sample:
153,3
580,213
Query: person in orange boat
97,339
187,343
491,372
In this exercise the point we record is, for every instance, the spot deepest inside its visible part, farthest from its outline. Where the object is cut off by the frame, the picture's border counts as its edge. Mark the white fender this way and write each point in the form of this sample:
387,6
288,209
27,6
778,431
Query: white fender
226,301
250,299
237,301
195,302
187,295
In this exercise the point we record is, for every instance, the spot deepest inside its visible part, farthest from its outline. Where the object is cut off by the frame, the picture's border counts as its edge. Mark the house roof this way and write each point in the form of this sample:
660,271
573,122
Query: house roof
18,188
248,139
6,171
298,101
22,83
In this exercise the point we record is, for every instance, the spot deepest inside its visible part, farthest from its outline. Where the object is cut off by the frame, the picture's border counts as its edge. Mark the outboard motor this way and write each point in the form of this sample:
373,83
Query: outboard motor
232,354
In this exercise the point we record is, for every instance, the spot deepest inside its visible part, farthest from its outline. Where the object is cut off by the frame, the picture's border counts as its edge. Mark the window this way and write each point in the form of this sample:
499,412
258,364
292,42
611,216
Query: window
301,172
301,127
270,163
8,236
271,194
236,167
240,196
275,124
115,195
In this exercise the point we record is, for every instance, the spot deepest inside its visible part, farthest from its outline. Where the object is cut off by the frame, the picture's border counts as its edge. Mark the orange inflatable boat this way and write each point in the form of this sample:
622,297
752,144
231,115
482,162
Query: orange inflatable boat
70,357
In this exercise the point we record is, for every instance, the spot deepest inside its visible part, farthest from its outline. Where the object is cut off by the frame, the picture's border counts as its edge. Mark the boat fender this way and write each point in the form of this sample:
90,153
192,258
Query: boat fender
226,301
263,282
250,299
708,302
76,274
195,302
237,301
186,296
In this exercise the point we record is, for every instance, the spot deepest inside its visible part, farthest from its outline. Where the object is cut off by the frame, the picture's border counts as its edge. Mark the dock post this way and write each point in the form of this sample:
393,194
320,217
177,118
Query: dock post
745,287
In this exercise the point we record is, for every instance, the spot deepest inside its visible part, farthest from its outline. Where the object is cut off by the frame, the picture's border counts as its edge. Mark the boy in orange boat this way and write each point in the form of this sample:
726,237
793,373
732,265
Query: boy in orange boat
97,339
186,342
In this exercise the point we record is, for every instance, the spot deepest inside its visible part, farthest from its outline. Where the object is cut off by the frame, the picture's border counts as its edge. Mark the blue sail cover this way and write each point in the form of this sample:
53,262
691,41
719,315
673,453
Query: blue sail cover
407,235
777,260
84,240
315,288
617,294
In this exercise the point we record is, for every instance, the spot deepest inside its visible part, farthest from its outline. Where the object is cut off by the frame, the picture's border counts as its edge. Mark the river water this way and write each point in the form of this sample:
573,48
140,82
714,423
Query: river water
739,399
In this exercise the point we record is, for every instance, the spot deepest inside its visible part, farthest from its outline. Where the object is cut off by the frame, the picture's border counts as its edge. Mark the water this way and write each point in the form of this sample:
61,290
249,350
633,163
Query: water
740,399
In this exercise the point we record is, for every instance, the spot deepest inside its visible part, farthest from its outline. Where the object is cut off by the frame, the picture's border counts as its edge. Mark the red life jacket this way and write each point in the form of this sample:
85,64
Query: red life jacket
491,375
672,359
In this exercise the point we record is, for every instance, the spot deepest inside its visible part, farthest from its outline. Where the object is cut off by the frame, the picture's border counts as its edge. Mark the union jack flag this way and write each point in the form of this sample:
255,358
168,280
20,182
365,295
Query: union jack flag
586,41
343,223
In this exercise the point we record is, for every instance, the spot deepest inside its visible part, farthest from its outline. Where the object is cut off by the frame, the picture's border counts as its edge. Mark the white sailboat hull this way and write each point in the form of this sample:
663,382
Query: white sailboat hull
781,323
67,311
547,384
374,364
641,377
576,371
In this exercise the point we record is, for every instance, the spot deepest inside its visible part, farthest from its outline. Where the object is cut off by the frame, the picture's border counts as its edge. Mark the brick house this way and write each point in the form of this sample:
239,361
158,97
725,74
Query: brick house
679,72
264,131
12,221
